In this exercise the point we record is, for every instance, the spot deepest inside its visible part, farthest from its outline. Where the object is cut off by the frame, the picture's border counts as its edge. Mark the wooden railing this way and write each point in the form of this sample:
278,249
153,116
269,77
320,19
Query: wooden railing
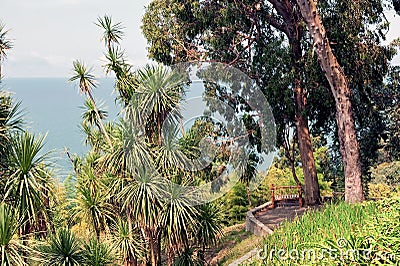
286,194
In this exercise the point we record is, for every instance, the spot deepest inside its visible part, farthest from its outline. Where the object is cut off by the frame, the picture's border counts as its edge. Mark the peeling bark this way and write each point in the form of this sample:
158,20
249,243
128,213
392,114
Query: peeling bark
349,146
294,32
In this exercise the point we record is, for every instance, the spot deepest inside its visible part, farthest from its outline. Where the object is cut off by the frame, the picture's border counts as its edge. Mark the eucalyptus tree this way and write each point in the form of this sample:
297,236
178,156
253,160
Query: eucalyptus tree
87,82
5,44
269,41
349,145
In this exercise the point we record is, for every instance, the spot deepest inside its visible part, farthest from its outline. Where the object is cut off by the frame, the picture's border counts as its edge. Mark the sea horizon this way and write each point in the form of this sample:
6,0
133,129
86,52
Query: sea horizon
52,106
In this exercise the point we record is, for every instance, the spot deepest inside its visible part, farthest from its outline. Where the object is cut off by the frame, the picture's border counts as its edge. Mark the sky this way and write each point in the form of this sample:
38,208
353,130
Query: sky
49,35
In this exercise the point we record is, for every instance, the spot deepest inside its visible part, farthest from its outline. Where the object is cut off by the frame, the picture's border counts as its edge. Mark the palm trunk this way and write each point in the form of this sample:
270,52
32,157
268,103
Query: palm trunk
131,260
249,197
101,125
349,146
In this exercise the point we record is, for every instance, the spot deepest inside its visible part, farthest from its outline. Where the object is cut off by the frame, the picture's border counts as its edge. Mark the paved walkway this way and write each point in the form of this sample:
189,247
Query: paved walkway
273,218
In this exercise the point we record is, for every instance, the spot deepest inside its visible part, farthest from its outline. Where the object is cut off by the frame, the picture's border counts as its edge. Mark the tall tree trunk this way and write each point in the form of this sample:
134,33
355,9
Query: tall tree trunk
311,186
289,157
100,122
294,32
349,146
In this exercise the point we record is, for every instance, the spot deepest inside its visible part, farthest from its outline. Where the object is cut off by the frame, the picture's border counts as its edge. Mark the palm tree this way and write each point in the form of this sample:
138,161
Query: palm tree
89,115
93,207
9,226
142,195
5,44
61,249
159,91
208,228
86,83
96,253
128,242
28,180
112,32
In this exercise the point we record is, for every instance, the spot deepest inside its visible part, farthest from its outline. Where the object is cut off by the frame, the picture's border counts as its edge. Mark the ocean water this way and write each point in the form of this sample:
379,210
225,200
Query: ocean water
53,106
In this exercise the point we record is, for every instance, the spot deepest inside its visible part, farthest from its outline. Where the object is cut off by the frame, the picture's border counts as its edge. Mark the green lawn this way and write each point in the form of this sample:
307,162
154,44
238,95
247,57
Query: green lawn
339,234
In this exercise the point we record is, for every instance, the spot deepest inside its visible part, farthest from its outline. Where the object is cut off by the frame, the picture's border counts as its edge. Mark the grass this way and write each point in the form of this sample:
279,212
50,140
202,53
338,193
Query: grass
339,234
235,243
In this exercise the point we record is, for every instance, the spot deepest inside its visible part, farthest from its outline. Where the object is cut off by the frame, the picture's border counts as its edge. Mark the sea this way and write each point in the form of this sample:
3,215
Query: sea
53,107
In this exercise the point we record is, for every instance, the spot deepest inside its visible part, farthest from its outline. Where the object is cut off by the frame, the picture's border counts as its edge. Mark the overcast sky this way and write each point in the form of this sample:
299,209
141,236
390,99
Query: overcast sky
49,34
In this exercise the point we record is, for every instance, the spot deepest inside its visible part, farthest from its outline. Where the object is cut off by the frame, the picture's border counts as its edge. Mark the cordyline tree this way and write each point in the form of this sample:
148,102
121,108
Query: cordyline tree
269,41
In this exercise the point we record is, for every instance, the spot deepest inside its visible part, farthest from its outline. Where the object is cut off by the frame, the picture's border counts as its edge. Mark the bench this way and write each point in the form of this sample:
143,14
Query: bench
286,194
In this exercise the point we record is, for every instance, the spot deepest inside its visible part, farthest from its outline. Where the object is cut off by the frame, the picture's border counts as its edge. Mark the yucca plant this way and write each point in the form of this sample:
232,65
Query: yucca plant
92,207
97,253
87,83
62,249
112,32
28,180
11,248
128,242
208,228
187,258
89,116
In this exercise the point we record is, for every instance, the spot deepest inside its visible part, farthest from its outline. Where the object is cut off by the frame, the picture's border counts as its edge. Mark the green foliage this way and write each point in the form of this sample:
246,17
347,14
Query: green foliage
388,173
342,234
96,253
112,32
9,243
61,249
385,180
